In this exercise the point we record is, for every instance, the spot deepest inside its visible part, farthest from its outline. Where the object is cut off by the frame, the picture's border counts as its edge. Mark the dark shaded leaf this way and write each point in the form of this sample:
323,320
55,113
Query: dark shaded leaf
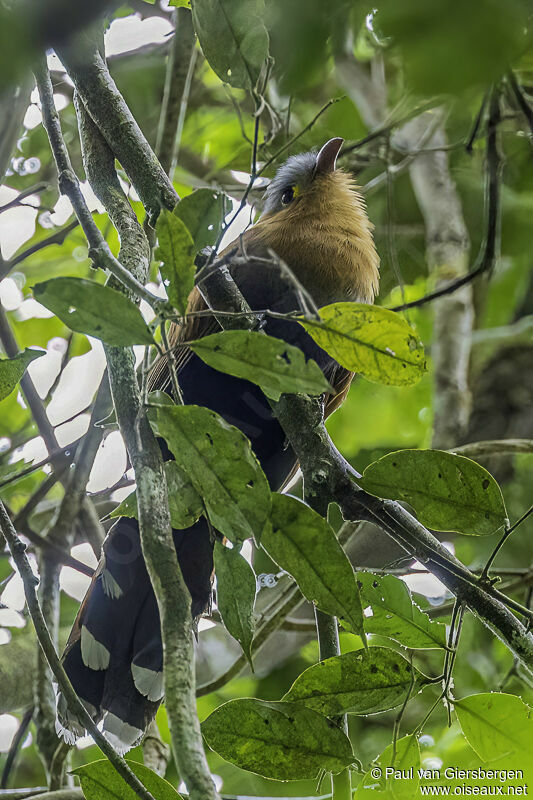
203,213
284,741
395,614
176,251
100,781
89,307
233,38
236,589
305,546
271,363
12,370
184,502
360,682
448,492
221,466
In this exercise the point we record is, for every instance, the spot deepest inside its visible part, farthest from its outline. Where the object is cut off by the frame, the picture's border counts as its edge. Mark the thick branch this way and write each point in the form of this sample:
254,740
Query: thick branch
111,115
171,592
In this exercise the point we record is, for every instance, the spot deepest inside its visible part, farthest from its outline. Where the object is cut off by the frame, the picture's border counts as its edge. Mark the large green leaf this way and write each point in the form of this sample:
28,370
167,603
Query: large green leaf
360,682
394,614
305,546
89,307
218,460
373,341
273,364
184,502
12,370
233,38
496,724
100,781
236,589
203,212
176,250
284,741
391,772
448,492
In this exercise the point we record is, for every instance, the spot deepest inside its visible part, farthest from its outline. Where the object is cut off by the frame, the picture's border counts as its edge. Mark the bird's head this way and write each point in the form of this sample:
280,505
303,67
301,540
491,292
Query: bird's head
314,218
300,174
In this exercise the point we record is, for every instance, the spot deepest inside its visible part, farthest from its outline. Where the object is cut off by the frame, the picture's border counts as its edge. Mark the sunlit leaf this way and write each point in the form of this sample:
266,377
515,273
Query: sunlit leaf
89,307
395,614
218,460
233,38
305,546
360,682
12,370
448,492
176,250
100,781
184,502
284,741
236,589
273,364
401,761
370,340
203,213
496,724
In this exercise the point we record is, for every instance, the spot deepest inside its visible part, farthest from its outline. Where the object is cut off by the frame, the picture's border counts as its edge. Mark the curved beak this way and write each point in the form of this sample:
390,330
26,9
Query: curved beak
326,160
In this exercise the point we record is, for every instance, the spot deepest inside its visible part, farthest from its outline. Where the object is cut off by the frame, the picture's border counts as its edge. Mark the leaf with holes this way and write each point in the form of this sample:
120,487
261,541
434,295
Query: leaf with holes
233,38
100,781
448,492
370,340
236,588
176,250
395,614
271,363
184,502
305,546
99,311
219,462
360,682
12,369
203,212
496,724
283,741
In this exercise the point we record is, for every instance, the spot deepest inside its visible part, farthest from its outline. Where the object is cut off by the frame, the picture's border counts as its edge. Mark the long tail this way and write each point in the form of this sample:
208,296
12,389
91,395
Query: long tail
114,655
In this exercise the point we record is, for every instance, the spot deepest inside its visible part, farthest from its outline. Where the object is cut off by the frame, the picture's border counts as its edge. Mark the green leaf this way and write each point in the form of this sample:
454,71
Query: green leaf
283,741
89,307
185,504
233,38
448,492
12,370
176,251
305,546
100,781
159,398
396,783
271,363
394,614
221,466
372,341
176,3
236,589
203,212
360,682
496,724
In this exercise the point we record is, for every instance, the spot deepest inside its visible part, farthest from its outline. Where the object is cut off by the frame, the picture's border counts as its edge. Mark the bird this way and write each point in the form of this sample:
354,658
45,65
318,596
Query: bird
312,240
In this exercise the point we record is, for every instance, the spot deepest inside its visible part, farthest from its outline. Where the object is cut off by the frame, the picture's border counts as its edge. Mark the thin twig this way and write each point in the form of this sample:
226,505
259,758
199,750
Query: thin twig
523,102
75,705
502,541
58,237
490,249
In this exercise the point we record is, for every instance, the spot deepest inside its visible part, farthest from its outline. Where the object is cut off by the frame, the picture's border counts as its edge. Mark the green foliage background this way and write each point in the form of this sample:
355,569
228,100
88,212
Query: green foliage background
436,52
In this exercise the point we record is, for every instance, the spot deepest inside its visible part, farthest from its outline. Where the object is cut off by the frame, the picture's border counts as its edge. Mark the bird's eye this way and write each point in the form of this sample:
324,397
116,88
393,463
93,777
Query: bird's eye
287,196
